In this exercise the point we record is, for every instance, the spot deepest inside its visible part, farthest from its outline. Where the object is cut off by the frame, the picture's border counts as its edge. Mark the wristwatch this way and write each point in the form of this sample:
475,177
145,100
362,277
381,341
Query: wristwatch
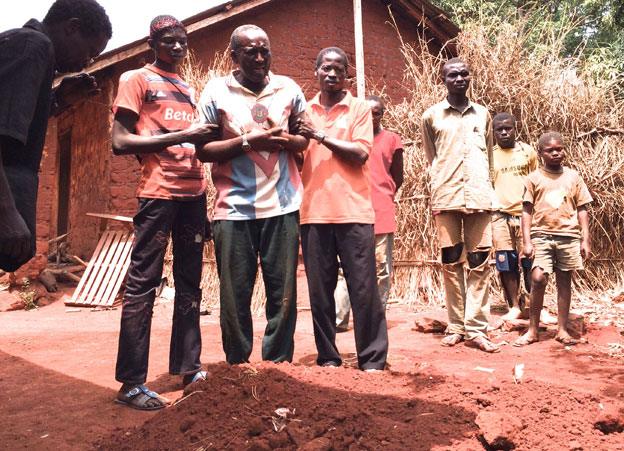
319,136
245,144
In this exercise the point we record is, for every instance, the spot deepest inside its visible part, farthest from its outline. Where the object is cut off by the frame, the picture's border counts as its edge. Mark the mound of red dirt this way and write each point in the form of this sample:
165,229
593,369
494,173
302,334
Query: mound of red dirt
346,409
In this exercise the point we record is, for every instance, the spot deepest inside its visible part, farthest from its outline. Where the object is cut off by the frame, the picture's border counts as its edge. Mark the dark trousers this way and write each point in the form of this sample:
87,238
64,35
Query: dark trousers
355,245
238,244
153,223
24,183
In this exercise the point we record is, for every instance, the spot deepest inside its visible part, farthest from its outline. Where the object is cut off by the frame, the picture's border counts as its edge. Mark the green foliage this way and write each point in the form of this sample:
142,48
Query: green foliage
593,30
598,21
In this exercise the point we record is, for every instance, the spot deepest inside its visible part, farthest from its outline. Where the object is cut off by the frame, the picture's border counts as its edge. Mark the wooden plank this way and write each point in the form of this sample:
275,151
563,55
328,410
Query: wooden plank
420,17
110,236
90,268
108,216
359,49
110,270
90,297
108,298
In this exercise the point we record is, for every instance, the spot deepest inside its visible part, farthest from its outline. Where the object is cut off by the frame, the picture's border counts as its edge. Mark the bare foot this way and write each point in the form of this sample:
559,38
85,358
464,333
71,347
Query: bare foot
547,318
513,313
527,339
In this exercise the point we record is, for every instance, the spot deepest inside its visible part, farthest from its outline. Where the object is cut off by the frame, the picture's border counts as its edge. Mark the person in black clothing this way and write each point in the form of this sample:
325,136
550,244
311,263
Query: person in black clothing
72,33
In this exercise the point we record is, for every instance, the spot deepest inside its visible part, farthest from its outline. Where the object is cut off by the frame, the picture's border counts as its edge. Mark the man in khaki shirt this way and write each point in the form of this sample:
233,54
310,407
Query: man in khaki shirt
457,139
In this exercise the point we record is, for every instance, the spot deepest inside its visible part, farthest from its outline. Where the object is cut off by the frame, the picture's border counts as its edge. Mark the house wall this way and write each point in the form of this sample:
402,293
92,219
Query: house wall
298,29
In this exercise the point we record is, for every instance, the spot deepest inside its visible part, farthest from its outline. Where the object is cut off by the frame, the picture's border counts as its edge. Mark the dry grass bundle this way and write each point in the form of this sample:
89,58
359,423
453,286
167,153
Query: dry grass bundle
544,91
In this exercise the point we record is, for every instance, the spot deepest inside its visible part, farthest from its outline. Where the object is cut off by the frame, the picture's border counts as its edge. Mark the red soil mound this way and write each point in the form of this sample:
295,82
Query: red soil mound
348,409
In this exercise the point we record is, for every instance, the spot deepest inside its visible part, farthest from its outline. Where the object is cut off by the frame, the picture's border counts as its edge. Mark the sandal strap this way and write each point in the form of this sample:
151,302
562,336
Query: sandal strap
199,376
138,389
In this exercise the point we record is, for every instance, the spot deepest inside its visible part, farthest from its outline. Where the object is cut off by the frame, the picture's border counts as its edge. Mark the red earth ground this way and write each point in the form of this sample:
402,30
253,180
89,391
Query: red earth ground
57,386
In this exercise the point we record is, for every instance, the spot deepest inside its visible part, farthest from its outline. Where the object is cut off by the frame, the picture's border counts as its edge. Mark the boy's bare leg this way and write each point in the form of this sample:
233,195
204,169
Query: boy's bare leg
564,297
511,288
539,280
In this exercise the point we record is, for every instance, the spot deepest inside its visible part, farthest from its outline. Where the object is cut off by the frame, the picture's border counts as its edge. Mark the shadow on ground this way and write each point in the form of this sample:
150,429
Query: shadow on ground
340,407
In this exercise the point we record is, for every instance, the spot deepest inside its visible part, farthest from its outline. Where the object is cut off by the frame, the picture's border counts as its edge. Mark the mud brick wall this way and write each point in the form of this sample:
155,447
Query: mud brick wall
298,29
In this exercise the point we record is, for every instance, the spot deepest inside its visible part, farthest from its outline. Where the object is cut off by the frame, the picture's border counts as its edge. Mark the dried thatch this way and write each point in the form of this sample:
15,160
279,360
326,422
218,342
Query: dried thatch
544,91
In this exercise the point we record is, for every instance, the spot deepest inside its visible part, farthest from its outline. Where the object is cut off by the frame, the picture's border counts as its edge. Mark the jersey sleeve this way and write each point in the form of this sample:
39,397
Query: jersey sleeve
208,108
131,92
299,102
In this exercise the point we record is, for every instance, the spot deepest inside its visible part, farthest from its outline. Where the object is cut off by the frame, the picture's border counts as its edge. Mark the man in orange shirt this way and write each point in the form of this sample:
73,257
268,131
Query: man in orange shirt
154,113
337,215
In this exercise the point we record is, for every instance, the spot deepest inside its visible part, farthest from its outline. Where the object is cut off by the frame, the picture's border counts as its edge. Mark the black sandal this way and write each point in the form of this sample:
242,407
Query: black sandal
138,397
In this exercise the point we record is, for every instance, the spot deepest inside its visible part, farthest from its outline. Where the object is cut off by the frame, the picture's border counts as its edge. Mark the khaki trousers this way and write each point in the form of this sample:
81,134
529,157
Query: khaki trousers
466,288
384,244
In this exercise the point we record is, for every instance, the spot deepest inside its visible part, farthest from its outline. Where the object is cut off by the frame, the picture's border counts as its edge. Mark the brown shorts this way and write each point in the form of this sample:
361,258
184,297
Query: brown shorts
556,252
472,229
506,232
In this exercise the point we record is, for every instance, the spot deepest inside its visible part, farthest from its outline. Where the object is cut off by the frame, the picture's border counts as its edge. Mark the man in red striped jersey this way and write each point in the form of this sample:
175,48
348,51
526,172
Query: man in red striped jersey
154,112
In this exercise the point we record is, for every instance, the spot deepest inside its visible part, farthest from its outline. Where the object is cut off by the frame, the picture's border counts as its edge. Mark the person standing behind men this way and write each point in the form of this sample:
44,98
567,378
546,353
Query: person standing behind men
513,161
337,215
256,212
386,175
72,33
154,114
457,140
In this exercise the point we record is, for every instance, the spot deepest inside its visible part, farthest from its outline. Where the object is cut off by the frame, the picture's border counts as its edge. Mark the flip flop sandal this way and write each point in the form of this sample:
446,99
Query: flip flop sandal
138,396
568,341
524,342
451,340
483,344
199,376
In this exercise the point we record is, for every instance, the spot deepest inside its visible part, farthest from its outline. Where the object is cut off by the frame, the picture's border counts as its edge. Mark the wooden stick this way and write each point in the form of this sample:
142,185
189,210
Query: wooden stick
108,216
63,269
71,276
58,238
78,260
359,48
604,130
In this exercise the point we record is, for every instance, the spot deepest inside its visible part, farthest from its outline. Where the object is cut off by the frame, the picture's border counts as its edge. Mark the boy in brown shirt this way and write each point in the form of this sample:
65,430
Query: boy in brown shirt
555,230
